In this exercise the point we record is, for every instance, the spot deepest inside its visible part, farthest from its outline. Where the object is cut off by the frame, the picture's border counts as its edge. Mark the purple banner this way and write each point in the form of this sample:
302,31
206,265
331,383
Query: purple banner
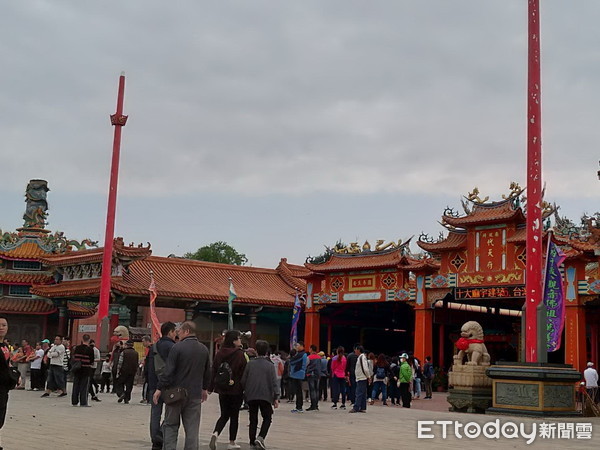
295,320
554,298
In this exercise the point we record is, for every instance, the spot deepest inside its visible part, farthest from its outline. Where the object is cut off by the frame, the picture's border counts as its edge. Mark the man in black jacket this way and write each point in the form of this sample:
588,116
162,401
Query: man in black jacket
84,354
5,381
128,365
188,367
158,352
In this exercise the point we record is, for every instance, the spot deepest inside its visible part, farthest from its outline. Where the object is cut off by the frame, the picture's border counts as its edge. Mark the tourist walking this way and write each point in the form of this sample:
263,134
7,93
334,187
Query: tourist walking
405,380
324,377
262,391
128,365
350,371
381,375
313,376
591,381
428,374
394,389
35,359
228,368
187,368
66,342
56,374
298,364
155,364
23,362
83,358
105,375
338,378
93,385
6,382
363,375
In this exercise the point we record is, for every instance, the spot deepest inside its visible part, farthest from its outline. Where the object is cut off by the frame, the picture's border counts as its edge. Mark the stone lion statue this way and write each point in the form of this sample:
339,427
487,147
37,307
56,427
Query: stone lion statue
471,344
121,332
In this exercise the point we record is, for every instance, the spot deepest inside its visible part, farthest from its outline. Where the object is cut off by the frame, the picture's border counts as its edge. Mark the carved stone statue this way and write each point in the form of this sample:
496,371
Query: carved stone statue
121,332
471,344
35,211
470,387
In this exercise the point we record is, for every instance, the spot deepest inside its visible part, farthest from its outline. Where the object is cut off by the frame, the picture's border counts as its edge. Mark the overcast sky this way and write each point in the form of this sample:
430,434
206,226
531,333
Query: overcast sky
281,126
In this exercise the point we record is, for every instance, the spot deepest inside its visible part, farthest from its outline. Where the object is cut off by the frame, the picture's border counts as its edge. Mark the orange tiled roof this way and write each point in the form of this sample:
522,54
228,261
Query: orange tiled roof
293,274
72,257
16,305
365,261
76,309
27,250
583,246
453,241
26,278
188,279
487,213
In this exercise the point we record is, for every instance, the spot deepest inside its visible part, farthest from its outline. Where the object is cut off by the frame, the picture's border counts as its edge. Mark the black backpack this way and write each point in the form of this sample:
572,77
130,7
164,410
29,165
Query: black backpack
224,377
159,362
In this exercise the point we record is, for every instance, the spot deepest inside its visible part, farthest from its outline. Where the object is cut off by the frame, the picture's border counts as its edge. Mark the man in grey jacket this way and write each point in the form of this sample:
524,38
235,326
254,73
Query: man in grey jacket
262,390
187,367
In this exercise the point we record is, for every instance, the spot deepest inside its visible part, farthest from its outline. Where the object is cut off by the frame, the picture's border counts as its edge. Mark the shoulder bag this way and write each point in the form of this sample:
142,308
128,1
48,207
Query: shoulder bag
173,395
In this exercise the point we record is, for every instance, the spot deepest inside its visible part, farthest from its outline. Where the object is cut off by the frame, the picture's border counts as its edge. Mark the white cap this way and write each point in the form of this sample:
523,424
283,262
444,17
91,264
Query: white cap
590,364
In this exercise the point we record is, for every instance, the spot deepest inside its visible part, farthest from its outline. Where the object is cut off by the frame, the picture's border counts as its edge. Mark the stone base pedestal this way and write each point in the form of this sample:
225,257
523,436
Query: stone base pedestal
471,389
473,400
534,389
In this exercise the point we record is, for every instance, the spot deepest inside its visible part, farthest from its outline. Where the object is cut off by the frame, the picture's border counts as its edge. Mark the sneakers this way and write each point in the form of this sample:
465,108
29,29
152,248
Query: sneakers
334,406
45,394
64,394
260,442
312,409
343,407
96,399
213,441
233,446
121,398
297,410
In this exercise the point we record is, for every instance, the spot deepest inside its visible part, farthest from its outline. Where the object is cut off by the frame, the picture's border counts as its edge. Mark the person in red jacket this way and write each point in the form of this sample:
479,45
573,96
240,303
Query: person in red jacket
227,370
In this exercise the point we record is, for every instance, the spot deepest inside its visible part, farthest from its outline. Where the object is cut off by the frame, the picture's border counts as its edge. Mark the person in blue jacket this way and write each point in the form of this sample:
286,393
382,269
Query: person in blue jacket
297,374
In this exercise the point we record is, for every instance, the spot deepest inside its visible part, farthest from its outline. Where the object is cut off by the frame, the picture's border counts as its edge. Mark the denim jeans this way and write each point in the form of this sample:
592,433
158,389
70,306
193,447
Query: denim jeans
379,386
155,416
417,390
360,401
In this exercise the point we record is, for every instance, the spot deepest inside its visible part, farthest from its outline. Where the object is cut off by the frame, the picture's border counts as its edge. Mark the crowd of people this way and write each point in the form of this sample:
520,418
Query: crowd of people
358,377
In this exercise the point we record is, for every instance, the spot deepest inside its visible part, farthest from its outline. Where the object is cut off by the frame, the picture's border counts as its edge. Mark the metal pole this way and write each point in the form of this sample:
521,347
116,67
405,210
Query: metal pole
118,120
533,278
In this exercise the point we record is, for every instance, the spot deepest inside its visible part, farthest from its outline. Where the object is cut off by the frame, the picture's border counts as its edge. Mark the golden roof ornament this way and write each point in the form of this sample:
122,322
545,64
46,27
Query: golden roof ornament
474,197
515,191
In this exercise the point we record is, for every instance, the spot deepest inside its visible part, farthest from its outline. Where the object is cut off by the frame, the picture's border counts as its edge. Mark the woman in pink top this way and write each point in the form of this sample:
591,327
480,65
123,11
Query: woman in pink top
338,378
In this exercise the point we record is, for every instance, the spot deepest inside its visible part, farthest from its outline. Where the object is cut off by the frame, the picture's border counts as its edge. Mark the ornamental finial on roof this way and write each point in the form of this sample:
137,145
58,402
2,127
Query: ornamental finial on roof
515,191
37,206
474,196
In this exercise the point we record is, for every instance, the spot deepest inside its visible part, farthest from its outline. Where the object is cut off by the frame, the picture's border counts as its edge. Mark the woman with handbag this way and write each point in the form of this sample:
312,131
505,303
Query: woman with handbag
227,370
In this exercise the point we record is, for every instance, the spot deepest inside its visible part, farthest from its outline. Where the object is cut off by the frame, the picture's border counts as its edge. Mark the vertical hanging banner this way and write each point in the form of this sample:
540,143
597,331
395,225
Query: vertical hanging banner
554,298
295,320
153,316
232,297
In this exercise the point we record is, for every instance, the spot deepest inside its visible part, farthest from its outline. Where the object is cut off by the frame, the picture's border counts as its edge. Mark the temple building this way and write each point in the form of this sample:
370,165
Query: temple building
392,301
32,317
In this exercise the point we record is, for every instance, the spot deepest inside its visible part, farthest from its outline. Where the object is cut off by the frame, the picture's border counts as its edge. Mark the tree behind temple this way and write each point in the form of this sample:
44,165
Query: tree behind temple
219,252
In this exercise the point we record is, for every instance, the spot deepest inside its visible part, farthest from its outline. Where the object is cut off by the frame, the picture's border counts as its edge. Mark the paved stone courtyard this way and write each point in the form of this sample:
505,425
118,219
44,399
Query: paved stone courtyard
34,423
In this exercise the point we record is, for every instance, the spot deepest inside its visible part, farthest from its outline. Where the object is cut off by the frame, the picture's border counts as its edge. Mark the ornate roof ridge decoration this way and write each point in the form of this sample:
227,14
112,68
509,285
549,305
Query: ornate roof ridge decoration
355,250
125,253
456,239
292,274
30,245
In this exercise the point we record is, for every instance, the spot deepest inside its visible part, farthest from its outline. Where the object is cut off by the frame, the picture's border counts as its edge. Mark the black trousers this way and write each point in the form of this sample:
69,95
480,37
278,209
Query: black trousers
105,383
126,386
405,394
80,388
295,388
36,379
266,411
323,388
3,405
230,411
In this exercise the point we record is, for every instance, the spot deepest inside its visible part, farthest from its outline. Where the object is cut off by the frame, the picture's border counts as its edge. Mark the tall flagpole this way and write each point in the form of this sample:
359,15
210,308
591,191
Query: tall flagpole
533,276
118,120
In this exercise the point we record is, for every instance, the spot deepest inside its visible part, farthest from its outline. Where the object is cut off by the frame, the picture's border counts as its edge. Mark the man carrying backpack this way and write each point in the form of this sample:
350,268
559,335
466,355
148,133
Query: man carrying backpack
428,373
155,365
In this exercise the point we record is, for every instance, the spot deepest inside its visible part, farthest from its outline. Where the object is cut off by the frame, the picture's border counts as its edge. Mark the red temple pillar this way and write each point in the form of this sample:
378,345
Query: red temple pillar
575,347
594,342
62,319
423,333
311,328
